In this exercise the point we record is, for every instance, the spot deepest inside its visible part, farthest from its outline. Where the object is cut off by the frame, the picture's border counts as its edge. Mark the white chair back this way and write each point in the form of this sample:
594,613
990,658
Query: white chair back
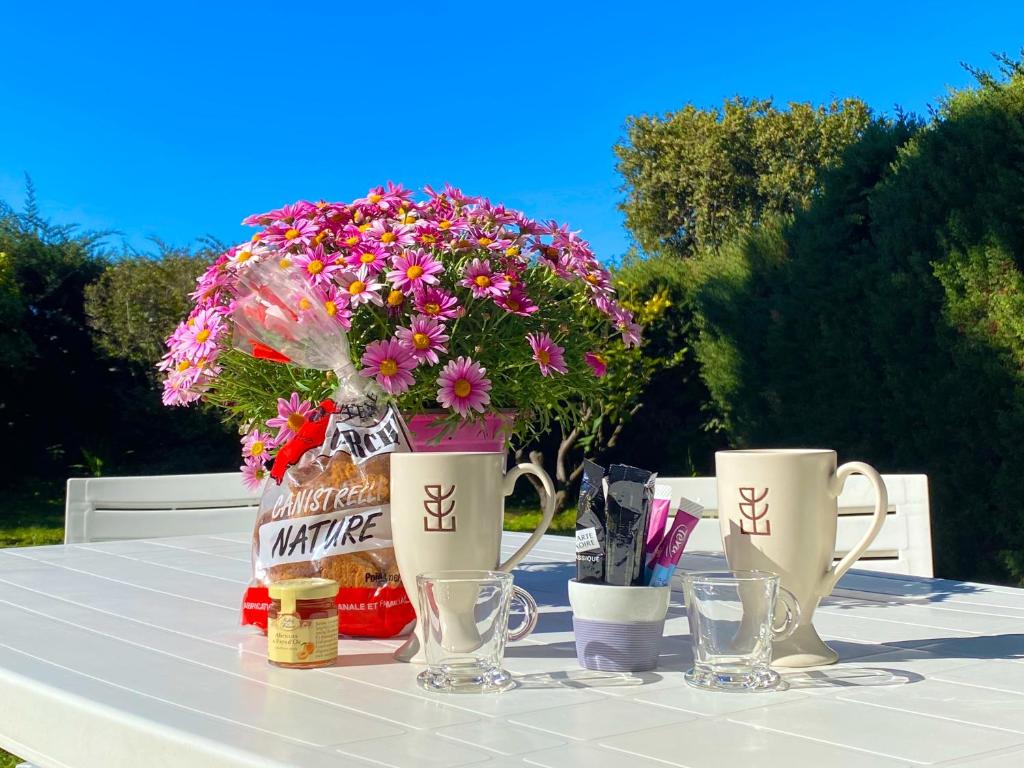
112,508
904,544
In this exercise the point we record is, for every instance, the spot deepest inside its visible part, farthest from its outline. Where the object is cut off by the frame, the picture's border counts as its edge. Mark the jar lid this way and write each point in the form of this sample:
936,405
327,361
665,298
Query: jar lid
303,589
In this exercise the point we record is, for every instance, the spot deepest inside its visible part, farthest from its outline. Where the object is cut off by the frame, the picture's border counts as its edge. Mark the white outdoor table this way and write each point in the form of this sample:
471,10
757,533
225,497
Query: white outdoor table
130,654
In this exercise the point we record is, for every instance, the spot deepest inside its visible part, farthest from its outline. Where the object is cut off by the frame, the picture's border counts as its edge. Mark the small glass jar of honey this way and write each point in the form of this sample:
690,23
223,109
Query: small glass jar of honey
302,623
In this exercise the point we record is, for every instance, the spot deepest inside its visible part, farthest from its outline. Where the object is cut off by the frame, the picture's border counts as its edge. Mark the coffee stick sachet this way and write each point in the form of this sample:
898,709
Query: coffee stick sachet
590,525
627,512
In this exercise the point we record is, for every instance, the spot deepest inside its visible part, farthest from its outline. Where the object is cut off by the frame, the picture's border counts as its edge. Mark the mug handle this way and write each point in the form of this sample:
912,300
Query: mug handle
833,574
547,504
792,621
531,611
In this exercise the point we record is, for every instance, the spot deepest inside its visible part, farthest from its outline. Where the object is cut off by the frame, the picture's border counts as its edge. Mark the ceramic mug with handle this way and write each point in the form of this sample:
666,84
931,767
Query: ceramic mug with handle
447,511
778,512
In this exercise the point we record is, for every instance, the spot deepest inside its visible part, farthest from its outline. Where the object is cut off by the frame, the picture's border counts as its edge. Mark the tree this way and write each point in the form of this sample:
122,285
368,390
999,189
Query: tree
696,177
139,299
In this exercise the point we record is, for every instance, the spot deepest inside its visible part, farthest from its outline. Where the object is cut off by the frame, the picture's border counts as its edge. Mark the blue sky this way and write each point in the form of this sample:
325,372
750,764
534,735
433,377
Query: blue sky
178,119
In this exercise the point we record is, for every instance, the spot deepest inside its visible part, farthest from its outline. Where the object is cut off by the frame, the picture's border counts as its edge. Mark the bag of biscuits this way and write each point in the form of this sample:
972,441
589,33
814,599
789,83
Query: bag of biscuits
324,510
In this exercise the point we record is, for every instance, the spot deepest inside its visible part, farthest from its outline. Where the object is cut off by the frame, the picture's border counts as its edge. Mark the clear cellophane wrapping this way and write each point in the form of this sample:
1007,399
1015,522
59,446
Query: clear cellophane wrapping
325,510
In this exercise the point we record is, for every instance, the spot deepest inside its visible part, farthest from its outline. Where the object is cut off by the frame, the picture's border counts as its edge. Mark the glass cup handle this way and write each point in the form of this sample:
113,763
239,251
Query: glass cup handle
529,608
792,620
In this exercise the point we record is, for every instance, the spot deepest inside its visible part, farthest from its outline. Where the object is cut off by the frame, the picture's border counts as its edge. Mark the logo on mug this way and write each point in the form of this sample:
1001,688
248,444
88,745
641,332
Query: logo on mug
748,509
435,507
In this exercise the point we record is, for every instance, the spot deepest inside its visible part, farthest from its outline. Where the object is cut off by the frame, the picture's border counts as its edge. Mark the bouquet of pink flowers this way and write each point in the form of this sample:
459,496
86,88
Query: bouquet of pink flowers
450,303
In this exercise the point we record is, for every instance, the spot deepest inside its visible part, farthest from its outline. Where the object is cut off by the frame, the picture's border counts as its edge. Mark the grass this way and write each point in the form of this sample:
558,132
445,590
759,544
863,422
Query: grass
34,516
526,518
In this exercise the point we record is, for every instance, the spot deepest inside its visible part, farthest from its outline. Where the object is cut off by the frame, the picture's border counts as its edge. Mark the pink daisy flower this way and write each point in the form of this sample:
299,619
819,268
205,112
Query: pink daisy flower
462,386
390,198
597,278
517,302
428,235
317,265
483,281
185,369
390,235
449,224
198,337
395,302
499,214
350,236
211,282
436,303
492,240
408,216
360,289
549,356
413,269
391,364
335,304
299,232
186,380
241,255
332,215
291,415
257,445
527,226
179,390
253,474
598,363
624,322
287,214
604,304
424,339
367,257
631,334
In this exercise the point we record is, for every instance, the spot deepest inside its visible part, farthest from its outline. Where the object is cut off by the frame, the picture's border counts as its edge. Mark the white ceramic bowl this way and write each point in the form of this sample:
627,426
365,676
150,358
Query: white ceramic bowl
604,602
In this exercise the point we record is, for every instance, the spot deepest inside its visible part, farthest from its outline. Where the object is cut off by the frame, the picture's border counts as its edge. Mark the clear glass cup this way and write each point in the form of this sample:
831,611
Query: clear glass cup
732,627
465,627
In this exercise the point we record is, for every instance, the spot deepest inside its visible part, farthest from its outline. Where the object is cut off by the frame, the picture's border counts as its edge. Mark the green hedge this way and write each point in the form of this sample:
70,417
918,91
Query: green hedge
885,320
78,393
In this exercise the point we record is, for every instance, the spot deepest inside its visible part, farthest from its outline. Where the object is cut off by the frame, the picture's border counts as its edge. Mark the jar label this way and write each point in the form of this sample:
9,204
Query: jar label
291,640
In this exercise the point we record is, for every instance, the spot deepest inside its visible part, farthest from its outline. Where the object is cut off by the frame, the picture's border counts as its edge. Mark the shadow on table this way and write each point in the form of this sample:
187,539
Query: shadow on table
585,678
909,590
547,582
849,677
553,621
979,647
675,655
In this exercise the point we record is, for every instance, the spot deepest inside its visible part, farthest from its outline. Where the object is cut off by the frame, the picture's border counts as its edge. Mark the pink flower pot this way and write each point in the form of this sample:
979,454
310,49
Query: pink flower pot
487,436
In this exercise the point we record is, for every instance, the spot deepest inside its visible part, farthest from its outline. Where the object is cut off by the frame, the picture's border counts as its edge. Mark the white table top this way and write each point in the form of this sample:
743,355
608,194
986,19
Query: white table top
130,653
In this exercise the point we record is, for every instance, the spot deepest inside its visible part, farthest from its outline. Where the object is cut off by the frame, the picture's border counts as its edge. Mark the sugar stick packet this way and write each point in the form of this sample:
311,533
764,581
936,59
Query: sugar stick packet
671,548
656,526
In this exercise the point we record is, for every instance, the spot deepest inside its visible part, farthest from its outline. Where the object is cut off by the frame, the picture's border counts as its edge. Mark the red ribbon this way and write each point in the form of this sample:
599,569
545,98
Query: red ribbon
263,352
310,435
